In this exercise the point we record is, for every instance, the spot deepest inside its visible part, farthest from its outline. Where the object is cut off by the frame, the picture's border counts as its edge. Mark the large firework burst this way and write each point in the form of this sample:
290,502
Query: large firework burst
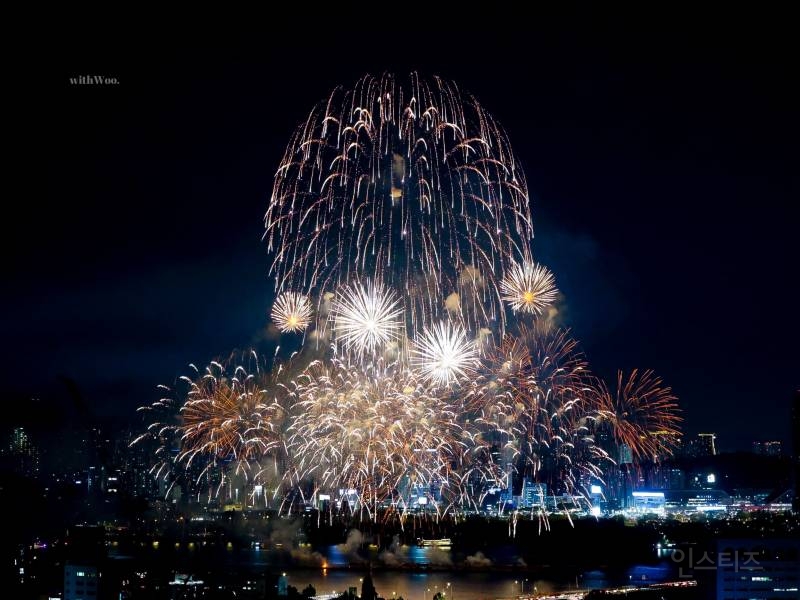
643,414
443,354
529,288
227,417
535,399
382,432
223,421
292,312
401,209
366,317
413,184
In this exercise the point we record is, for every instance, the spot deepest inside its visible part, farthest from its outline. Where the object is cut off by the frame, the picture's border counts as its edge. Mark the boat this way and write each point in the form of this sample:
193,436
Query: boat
437,543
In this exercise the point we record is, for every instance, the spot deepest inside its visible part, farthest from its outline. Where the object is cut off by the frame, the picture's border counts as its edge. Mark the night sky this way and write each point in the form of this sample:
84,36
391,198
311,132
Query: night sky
662,167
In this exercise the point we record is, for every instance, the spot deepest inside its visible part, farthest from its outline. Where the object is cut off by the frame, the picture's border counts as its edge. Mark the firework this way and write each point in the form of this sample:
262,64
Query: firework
400,207
535,402
382,432
225,423
366,317
528,288
414,185
642,413
443,354
160,435
226,417
292,312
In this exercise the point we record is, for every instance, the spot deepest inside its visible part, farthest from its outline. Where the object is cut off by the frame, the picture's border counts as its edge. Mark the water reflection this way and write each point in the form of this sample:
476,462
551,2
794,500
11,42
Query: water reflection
435,572
419,573
424,586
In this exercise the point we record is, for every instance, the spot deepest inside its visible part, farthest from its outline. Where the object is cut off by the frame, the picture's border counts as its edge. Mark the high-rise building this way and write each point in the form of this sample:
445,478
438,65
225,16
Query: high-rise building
677,478
625,455
368,588
705,444
80,581
20,454
768,448
533,494
796,449
708,443
757,568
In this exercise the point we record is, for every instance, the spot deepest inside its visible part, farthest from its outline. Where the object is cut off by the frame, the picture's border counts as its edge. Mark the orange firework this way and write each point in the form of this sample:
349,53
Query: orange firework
227,417
384,433
643,414
535,399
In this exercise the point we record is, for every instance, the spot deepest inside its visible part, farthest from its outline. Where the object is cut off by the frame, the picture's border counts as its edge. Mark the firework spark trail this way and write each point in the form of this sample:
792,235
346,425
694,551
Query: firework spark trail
160,435
410,185
399,225
443,354
529,288
536,400
292,312
226,423
366,317
382,432
643,414
226,417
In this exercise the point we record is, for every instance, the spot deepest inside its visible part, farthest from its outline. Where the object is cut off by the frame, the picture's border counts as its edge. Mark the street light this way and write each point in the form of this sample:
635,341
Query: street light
450,589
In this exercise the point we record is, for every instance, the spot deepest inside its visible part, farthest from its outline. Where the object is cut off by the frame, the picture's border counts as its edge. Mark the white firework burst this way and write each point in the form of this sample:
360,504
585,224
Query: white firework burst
366,317
529,287
443,354
292,312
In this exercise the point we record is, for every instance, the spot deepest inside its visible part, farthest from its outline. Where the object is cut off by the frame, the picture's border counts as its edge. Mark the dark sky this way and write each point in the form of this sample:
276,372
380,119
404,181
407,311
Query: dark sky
661,159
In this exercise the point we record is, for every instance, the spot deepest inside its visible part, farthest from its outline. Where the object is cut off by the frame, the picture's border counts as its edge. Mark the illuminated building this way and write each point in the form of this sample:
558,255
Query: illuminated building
796,449
769,448
20,454
533,494
648,502
705,444
81,582
625,455
694,501
677,478
708,443
283,585
758,569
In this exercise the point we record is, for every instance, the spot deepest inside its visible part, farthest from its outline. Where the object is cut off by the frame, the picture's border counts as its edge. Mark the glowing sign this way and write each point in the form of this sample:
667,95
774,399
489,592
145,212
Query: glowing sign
648,495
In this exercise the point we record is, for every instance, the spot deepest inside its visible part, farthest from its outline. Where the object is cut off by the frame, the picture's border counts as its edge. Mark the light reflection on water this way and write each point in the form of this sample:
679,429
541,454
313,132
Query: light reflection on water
422,586
347,567
464,585
469,585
